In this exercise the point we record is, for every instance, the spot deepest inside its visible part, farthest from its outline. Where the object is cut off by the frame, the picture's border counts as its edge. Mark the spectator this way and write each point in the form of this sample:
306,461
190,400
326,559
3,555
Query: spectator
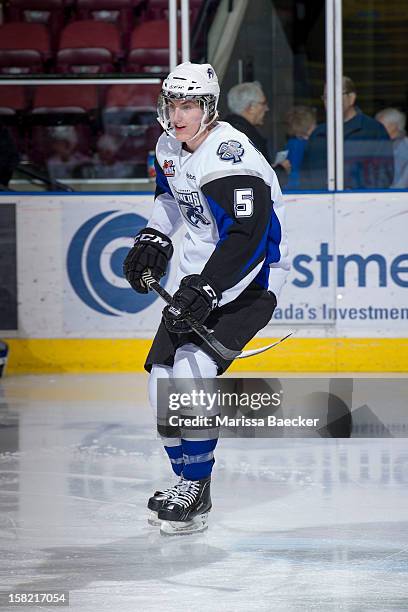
248,105
105,164
66,157
9,157
368,158
301,122
394,122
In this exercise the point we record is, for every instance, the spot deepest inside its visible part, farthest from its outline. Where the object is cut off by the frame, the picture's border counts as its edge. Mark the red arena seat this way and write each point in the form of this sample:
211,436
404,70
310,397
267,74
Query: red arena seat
134,97
149,47
65,99
58,112
89,47
24,48
159,9
130,116
40,141
119,12
131,110
13,103
50,13
12,99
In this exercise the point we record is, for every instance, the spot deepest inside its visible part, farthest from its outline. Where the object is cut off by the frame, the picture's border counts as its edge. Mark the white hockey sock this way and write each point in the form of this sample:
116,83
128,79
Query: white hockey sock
171,445
192,362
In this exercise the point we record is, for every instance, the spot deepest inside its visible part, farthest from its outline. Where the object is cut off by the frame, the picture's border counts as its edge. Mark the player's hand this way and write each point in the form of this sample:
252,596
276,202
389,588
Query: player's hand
195,298
152,250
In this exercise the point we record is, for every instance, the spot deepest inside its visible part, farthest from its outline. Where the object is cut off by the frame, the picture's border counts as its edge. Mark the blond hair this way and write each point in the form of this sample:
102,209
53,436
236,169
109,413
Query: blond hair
299,120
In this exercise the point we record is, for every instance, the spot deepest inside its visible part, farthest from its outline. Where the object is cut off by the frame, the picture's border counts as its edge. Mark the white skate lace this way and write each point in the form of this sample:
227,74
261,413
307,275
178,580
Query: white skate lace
187,493
172,491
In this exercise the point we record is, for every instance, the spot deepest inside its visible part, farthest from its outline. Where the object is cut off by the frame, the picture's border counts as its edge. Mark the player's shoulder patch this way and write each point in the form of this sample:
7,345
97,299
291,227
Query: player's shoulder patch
169,168
232,150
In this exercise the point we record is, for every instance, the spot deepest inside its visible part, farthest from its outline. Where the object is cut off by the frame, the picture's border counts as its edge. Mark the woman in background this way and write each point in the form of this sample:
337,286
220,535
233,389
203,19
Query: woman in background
301,121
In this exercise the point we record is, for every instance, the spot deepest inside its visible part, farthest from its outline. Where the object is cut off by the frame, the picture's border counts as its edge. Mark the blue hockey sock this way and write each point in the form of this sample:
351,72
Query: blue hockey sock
198,458
175,454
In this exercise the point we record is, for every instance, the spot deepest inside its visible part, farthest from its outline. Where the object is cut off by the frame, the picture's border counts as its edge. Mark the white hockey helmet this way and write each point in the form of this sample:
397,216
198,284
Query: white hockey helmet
190,82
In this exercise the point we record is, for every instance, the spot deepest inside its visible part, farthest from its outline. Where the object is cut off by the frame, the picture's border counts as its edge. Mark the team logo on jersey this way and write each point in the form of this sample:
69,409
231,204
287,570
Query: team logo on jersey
210,73
231,151
191,208
169,168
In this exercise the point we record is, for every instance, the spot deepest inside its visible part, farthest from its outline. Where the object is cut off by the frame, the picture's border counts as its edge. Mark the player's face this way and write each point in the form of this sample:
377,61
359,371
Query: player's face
185,117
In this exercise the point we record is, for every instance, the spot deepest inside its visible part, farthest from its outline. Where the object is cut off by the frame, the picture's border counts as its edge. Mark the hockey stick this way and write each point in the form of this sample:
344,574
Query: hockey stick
203,331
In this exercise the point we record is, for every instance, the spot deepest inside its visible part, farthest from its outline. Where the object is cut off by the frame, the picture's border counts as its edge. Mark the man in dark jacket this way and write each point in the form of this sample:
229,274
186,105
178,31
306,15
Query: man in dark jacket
368,154
248,105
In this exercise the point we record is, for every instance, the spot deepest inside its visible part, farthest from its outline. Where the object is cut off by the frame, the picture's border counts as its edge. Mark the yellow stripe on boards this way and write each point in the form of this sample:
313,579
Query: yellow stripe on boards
42,355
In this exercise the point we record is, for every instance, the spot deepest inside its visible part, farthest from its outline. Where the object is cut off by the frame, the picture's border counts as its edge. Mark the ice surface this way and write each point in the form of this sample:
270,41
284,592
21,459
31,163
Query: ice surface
313,524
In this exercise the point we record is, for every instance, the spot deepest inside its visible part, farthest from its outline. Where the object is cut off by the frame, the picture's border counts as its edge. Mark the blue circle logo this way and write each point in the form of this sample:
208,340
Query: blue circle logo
94,263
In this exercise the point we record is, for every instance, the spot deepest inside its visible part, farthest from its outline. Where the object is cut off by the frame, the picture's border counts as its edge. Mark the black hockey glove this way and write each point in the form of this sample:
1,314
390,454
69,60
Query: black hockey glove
195,297
152,250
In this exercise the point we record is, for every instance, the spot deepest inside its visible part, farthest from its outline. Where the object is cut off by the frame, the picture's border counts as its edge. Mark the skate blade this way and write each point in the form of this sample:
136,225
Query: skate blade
196,525
153,520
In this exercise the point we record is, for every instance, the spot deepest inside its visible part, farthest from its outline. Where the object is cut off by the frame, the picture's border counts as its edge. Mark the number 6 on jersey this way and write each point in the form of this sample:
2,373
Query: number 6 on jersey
243,202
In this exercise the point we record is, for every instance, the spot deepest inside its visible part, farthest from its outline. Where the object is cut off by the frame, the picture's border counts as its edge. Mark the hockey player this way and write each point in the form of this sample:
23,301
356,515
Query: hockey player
233,262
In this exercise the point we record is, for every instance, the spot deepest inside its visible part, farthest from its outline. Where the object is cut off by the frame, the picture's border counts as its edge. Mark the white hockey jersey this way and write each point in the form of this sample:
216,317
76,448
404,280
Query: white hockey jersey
229,200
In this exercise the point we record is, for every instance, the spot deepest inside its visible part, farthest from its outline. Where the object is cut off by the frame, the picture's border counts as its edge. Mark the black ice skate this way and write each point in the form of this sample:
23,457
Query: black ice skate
187,512
159,498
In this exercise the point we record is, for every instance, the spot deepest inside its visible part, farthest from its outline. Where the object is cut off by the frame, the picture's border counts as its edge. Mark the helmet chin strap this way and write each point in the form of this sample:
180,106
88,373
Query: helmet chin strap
203,126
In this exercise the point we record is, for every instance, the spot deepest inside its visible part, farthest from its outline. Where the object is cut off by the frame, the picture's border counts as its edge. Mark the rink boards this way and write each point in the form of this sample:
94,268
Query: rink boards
346,295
